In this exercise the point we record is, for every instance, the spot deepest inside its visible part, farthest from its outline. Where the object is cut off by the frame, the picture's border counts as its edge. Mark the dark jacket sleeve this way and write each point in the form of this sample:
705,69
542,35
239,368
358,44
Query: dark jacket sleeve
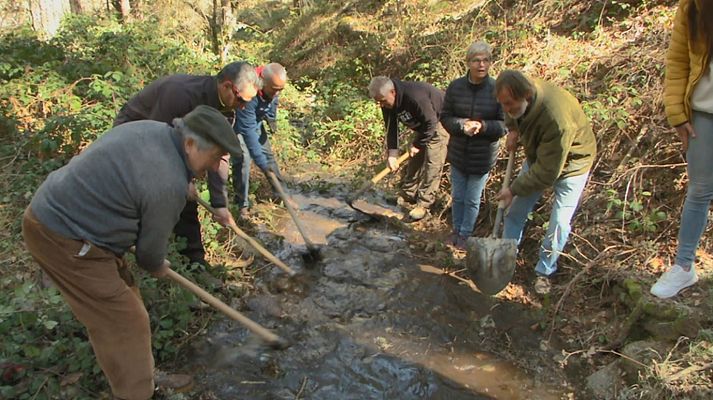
494,128
171,102
216,185
426,113
392,129
452,124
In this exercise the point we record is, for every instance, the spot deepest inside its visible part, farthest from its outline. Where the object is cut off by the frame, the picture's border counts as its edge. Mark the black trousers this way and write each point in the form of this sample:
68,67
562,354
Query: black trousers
189,227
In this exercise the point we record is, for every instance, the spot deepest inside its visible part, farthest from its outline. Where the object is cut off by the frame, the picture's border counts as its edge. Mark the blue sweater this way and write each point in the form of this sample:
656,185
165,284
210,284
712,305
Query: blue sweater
249,123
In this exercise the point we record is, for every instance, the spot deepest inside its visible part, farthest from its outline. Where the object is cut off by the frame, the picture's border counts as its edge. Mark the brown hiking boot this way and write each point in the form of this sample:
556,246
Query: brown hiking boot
244,213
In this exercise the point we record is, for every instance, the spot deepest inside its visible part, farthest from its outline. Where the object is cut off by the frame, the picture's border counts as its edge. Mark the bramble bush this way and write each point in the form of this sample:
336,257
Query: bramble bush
55,98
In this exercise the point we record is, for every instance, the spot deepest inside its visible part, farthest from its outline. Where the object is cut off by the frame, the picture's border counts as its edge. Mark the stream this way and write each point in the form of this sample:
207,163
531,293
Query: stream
371,320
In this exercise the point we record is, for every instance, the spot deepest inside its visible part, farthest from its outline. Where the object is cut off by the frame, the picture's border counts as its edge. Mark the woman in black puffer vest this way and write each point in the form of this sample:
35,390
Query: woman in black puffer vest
474,119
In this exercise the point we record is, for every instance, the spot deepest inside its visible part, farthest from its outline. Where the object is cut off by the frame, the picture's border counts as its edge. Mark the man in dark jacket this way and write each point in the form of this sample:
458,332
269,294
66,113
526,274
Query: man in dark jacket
173,97
250,126
87,214
474,119
418,106
560,148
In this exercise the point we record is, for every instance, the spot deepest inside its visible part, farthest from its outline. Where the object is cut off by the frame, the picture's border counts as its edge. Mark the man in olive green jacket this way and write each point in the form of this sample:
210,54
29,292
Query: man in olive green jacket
559,147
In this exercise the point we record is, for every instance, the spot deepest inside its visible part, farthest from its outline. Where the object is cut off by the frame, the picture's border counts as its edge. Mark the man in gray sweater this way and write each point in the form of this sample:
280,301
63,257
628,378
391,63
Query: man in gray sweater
126,189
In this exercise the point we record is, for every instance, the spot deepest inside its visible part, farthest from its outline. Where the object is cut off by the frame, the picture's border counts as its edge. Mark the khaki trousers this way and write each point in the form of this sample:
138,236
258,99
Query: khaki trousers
101,294
423,171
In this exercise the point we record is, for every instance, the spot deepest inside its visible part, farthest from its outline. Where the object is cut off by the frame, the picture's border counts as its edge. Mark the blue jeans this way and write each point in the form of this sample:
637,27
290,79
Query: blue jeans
241,169
466,191
567,194
700,188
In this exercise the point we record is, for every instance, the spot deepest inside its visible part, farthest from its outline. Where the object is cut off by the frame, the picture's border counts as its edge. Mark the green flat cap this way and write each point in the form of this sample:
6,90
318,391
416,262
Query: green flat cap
212,125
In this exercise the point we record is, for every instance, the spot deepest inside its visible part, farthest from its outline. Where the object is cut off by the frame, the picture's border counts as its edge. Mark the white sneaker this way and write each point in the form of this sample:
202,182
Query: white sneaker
673,281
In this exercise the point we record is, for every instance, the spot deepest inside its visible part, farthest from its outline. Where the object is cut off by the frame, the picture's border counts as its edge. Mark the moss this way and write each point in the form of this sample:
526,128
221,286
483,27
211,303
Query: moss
633,288
664,311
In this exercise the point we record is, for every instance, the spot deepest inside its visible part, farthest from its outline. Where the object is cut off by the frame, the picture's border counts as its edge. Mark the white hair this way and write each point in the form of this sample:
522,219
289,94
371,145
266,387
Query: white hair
274,69
478,47
203,143
380,86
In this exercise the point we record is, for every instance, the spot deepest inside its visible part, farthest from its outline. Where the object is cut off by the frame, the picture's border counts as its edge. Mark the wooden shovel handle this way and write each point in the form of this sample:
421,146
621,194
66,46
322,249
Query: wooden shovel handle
278,187
251,241
501,203
378,177
253,326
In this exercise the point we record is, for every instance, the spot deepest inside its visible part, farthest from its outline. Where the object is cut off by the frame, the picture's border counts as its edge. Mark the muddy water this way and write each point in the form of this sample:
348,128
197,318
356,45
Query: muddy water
367,323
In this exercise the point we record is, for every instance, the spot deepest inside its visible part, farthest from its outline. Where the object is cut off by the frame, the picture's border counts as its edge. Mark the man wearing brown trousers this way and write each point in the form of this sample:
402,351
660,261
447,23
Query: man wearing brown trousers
126,189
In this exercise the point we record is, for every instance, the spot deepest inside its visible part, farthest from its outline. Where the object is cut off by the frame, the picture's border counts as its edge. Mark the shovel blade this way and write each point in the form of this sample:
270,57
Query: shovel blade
491,262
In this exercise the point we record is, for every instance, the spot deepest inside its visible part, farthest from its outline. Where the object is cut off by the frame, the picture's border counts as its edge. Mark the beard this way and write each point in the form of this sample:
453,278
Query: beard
520,111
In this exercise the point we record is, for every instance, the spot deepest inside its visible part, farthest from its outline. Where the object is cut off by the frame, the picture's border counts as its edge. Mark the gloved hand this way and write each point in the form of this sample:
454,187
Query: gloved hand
392,159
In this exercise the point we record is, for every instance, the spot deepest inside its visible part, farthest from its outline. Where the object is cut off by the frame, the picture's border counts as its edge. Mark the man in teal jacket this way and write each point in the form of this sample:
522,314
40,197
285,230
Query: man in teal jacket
559,147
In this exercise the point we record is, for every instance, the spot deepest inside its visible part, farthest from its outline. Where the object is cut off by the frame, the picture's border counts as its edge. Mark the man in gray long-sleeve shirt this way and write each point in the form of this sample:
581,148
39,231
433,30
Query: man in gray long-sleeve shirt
173,97
126,189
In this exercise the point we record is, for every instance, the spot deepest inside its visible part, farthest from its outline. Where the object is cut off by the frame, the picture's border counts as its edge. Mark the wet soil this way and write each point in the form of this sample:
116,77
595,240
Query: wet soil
371,320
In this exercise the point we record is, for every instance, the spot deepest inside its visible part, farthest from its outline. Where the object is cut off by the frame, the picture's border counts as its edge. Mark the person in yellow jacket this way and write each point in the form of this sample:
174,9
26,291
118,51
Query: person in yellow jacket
688,99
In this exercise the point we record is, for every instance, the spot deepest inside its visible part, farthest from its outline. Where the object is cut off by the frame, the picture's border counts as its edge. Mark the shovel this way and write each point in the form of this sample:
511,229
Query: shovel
270,338
368,184
311,248
252,242
491,260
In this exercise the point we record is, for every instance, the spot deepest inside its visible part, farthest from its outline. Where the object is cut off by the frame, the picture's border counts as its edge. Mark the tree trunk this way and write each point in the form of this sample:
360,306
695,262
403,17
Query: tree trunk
221,26
227,23
76,6
47,15
123,7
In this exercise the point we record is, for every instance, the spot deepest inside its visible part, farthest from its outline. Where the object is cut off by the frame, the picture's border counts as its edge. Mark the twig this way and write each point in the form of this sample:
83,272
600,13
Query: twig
633,317
601,350
687,371
571,283
302,388
638,167
40,388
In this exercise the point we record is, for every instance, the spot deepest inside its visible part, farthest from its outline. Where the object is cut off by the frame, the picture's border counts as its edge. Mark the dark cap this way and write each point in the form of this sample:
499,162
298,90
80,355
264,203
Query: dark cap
212,125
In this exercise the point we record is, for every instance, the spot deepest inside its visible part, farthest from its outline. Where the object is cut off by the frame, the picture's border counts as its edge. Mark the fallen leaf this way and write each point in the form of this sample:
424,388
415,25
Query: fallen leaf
70,379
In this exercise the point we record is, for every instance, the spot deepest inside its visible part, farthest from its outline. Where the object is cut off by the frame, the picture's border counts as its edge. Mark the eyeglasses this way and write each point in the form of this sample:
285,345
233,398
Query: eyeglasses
480,60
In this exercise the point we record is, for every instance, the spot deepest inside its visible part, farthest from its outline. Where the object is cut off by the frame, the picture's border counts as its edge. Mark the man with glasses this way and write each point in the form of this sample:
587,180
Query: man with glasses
418,106
252,125
175,96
